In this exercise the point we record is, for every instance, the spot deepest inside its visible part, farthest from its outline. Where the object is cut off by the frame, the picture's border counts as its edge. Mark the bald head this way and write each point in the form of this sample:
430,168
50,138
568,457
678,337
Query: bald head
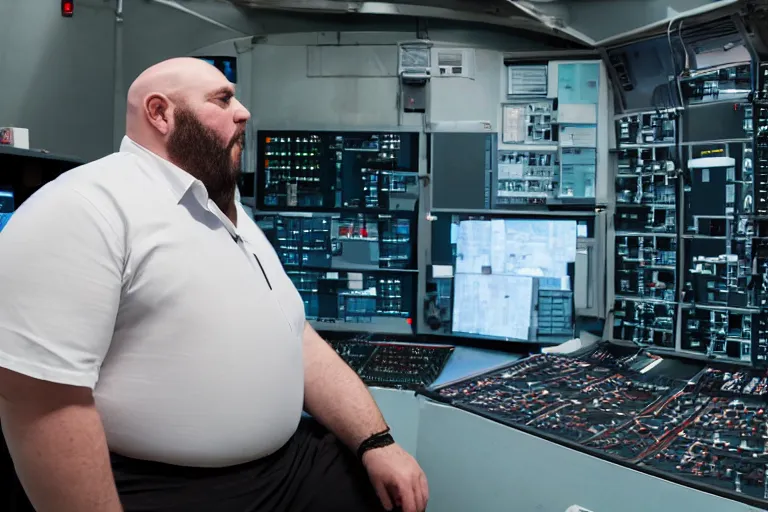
168,78
186,82
184,110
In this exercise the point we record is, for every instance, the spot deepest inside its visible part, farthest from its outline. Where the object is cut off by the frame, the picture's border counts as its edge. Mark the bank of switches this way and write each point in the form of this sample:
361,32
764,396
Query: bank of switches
684,421
394,365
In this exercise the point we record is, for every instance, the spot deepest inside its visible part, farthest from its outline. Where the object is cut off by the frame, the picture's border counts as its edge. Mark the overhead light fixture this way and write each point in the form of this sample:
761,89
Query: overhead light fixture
67,8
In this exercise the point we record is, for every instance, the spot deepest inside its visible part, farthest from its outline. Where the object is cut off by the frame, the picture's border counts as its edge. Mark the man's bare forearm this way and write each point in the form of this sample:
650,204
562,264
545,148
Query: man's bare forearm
61,458
335,395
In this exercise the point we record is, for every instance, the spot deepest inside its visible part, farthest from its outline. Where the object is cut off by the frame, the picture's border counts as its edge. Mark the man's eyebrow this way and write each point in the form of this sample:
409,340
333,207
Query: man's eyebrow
227,89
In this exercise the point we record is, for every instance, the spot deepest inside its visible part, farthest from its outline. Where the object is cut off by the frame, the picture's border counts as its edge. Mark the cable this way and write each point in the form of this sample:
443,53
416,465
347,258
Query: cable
685,50
674,60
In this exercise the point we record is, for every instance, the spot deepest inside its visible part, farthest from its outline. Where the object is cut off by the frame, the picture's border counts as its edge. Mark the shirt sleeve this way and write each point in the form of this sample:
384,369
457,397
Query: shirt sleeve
61,267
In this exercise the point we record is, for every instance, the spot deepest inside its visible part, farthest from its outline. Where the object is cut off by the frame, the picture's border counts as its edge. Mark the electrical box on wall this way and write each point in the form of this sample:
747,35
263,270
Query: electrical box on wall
415,60
415,70
453,62
414,97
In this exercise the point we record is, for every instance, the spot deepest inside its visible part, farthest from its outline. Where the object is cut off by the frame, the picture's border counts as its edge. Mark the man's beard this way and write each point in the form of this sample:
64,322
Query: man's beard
199,151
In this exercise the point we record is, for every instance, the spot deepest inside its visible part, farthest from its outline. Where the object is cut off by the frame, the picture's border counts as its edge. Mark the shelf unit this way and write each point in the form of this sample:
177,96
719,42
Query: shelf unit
691,238
646,230
717,308
759,128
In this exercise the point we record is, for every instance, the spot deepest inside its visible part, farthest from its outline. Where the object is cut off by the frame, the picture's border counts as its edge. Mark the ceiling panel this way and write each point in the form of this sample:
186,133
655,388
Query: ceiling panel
494,12
589,22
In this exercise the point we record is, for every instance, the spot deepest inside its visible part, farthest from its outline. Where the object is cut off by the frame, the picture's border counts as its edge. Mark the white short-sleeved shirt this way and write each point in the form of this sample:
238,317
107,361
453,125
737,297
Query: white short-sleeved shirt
121,275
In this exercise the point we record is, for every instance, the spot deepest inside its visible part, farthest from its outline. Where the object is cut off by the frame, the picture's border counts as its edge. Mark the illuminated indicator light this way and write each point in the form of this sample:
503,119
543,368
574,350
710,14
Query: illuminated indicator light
67,8
410,321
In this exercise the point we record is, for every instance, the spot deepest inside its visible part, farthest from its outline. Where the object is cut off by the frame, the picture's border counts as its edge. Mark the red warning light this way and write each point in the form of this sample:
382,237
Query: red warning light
67,8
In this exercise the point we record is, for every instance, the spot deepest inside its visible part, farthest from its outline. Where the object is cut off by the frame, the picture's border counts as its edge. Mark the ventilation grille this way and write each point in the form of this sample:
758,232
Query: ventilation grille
527,81
714,36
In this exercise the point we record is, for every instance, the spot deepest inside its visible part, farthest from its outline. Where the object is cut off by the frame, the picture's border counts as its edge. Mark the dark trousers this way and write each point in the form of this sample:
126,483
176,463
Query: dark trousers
313,472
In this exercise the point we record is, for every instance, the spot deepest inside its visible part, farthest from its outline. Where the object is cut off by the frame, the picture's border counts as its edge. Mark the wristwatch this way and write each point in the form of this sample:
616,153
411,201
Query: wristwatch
378,440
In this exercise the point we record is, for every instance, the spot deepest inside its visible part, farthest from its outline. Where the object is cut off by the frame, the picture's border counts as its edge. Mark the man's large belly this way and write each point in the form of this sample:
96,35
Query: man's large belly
200,391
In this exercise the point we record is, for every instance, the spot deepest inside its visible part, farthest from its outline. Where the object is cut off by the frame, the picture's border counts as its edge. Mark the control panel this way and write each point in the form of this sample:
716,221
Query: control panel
394,365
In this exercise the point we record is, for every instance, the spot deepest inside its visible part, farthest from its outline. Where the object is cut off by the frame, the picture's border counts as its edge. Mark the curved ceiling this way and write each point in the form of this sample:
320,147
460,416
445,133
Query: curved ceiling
496,12
588,22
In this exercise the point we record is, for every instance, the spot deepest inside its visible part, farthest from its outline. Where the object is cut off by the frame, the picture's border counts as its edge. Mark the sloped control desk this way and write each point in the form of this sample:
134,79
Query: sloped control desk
610,430
401,407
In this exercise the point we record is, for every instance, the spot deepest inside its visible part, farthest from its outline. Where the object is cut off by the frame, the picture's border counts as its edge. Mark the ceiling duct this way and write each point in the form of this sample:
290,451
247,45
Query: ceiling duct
701,38
712,44
755,20
691,17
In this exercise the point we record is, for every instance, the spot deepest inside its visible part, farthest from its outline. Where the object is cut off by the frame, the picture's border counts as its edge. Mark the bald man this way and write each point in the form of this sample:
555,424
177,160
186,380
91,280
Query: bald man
154,356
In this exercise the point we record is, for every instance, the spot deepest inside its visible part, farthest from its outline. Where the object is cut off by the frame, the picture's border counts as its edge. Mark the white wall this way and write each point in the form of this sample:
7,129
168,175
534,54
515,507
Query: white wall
56,74
361,88
63,79
477,99
284,97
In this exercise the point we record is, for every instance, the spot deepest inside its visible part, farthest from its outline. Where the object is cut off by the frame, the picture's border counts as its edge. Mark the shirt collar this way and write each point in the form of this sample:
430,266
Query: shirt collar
178,180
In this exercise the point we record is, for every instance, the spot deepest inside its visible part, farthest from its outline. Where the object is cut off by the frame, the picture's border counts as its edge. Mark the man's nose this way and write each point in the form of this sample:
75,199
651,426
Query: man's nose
241,113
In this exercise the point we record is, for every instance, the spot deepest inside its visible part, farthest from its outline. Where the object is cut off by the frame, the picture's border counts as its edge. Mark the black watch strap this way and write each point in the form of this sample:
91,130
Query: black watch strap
379,440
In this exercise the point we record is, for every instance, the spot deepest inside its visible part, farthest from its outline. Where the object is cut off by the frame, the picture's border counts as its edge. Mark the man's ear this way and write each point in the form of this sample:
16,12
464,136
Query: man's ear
157,109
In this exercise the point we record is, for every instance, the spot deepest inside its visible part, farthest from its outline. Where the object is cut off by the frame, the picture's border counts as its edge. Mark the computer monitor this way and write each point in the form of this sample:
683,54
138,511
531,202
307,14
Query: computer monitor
343,241
227,66
7,206
513,278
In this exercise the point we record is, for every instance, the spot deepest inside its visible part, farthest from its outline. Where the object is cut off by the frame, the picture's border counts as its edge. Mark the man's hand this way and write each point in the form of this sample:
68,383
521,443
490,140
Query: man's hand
397,478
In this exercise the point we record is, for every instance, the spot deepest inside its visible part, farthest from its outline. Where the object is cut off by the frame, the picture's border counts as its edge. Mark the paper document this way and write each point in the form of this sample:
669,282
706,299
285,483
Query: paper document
510,171
513,124
578,136
491,305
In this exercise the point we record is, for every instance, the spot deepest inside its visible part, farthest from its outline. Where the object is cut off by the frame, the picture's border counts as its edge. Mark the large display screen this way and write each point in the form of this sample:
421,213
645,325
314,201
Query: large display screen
338,170
513,278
